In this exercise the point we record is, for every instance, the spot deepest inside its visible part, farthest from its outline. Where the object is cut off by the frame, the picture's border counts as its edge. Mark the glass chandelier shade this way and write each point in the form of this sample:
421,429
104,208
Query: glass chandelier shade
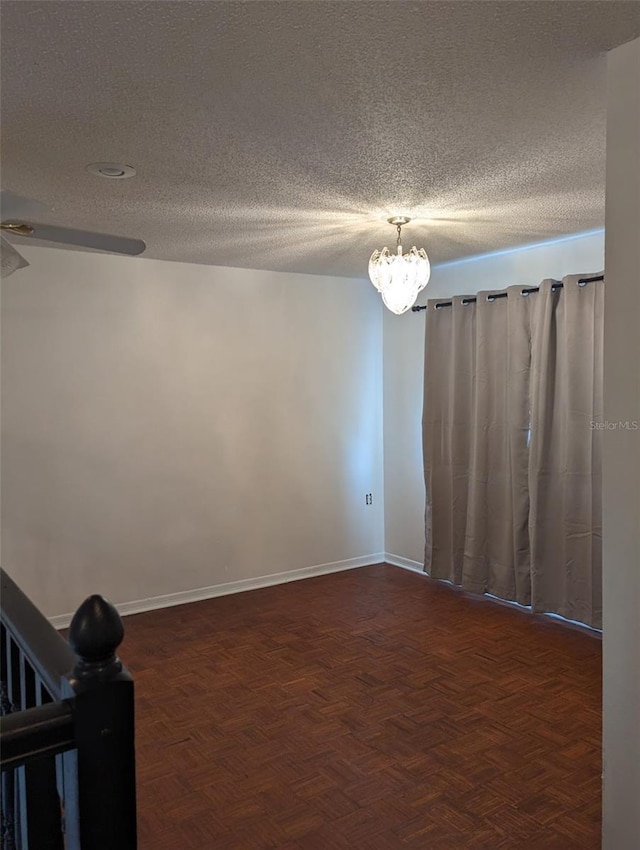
399,277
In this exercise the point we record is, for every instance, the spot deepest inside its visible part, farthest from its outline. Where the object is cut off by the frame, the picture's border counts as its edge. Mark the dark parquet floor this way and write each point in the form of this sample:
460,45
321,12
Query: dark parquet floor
365,709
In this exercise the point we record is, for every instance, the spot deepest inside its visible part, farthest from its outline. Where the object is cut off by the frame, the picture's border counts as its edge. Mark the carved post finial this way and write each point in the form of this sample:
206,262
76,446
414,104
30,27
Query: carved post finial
95,633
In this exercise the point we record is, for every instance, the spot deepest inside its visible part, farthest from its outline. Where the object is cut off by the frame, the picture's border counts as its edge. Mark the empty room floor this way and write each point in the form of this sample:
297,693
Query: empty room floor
367,709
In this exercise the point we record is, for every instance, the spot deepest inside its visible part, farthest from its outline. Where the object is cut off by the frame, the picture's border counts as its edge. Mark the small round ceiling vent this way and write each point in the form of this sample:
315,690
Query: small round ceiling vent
112,170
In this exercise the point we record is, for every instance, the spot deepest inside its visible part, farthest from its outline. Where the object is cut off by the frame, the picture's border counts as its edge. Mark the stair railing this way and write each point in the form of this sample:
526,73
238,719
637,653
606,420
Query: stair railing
67,729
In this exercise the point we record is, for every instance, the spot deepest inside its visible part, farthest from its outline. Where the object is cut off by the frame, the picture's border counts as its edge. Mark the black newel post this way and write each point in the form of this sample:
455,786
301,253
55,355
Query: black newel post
104,721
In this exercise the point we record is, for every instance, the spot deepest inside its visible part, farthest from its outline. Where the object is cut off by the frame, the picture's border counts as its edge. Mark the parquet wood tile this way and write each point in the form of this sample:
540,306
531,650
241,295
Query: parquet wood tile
365,709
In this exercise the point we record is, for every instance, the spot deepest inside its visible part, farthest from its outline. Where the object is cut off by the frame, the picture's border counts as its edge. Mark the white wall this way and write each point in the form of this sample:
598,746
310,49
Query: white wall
404,370
169,426
621,457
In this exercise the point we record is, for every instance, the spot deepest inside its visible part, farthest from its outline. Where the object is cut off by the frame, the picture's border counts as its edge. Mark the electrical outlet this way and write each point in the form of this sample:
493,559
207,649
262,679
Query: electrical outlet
368,498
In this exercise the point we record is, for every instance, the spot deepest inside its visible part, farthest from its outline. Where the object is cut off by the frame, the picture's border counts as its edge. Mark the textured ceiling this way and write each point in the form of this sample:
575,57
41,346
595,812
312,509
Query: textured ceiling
280,135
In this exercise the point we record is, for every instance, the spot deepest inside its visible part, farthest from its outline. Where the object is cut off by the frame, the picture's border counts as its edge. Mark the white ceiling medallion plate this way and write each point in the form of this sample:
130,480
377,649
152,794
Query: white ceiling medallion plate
111,170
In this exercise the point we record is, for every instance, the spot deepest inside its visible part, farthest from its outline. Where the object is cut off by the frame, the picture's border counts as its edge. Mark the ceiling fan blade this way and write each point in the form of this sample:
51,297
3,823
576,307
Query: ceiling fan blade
10,259
87,239
14,207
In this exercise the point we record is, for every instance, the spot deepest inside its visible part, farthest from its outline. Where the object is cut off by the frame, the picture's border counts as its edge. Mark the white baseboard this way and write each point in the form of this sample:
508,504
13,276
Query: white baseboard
61,621
405,563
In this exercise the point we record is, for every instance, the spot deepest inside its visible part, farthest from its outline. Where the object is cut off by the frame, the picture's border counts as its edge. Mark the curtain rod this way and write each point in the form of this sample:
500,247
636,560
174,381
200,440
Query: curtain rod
472,299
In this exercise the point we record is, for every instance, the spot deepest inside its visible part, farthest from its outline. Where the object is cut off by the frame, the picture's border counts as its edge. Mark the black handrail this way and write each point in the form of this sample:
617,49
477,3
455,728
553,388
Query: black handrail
68,765
49,654
34,733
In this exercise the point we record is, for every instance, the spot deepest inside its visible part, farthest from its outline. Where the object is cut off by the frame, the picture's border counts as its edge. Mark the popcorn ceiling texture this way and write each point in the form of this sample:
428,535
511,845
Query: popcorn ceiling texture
280,135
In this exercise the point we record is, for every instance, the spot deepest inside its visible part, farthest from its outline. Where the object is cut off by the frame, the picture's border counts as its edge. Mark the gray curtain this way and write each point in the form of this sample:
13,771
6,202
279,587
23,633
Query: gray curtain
565,475
450,355
512,459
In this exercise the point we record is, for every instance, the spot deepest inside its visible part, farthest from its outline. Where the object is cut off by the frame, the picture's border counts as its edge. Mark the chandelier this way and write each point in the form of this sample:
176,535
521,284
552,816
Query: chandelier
399,277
